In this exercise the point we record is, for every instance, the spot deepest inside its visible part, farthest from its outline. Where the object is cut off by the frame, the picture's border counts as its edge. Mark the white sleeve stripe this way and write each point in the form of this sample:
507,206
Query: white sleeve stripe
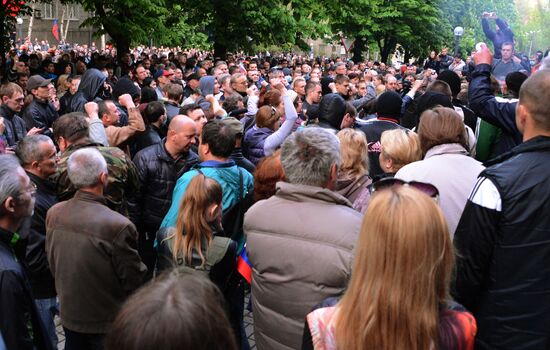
486,194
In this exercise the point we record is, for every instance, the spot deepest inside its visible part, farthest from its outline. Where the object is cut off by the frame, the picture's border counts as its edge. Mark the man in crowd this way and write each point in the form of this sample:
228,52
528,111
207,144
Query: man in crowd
159,167
89,247
173,94
216,145
20,323
72,132
502,237
12,98
302,216
119,136
196,113
38,156
505,65
163,77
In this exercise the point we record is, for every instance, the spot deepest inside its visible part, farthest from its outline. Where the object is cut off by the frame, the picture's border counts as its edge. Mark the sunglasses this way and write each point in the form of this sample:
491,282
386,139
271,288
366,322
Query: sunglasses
390,182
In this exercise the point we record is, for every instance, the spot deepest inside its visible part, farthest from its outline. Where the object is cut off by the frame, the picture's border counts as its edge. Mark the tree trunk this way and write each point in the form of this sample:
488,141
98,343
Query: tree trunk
122,47
31,21
220,50
387,48
407,57
358,48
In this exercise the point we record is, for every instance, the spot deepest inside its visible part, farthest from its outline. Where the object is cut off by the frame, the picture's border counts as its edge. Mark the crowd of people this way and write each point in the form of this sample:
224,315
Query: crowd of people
362,205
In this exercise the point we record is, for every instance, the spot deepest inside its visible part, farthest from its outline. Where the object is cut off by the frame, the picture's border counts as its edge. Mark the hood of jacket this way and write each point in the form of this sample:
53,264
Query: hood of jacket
332,110
91,83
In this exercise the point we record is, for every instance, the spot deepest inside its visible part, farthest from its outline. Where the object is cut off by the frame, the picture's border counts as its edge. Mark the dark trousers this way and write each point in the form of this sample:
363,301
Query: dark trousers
146,249
83,341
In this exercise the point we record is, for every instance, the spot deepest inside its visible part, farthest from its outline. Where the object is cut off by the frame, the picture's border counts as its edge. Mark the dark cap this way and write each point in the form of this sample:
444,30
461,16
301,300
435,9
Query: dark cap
37,81
162,73
234,125
193,76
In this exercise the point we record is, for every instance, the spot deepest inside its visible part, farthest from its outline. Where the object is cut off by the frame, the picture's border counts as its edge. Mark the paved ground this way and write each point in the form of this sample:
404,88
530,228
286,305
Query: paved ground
248,324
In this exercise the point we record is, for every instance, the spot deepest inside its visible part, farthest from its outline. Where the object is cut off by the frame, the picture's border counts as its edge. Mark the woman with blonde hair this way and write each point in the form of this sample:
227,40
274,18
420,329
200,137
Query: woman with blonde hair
398,148
398,296
198,243
353,174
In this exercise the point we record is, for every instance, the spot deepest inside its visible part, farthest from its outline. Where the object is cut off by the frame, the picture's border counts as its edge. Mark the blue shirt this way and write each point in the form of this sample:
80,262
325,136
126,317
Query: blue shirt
227,175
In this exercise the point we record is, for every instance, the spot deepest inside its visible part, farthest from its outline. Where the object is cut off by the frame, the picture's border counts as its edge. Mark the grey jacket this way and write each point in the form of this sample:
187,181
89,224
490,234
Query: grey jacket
300,243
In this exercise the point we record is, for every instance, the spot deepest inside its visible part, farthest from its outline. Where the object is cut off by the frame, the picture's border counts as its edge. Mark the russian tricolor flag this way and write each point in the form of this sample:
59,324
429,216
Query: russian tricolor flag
243,266
55,30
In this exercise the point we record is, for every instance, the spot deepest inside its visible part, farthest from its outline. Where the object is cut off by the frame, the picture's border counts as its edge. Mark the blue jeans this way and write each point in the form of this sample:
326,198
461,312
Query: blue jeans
47,309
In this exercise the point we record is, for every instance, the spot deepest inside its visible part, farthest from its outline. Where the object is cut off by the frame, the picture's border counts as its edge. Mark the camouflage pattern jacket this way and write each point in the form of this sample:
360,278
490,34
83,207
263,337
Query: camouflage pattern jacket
123,176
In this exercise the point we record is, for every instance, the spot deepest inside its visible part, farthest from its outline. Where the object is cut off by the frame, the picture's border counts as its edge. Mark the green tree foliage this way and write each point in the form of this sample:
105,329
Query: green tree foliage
534,26
413,24
467,14
245,24
9,10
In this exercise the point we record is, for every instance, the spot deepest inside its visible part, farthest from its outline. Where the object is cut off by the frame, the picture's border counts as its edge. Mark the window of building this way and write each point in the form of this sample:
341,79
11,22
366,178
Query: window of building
50,11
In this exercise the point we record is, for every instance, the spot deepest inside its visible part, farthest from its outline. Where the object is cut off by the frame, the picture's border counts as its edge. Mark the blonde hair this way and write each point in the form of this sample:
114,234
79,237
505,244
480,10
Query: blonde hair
354,153
192,226
401,146
401,275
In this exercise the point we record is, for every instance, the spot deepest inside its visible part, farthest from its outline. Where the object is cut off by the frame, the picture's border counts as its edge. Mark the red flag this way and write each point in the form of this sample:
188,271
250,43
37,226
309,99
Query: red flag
55,30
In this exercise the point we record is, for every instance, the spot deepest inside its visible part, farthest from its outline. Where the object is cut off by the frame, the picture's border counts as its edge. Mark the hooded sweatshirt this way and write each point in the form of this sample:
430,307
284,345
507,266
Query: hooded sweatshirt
90,86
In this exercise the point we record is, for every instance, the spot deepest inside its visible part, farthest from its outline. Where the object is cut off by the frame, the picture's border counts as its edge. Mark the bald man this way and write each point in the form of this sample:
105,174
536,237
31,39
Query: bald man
159,166
503,236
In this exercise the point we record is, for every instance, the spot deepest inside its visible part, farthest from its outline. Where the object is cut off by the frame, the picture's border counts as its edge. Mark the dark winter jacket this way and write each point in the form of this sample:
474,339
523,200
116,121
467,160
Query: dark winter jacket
15,126
501,114
158,173
151,136
40,114
503,269
20,324
239,159
33,231
253,144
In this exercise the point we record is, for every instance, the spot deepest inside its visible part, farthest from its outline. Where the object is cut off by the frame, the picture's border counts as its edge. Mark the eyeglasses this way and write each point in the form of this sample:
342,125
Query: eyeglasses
387,183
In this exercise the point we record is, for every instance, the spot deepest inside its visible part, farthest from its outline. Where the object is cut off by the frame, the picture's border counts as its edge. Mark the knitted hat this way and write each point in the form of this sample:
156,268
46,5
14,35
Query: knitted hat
389,105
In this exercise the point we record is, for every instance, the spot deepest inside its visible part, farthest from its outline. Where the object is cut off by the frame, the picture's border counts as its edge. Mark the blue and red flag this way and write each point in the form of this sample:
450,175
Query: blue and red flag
55,30
244,267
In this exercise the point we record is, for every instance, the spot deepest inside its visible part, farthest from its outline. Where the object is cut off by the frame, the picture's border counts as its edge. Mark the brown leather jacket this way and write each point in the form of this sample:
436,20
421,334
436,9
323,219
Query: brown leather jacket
93,257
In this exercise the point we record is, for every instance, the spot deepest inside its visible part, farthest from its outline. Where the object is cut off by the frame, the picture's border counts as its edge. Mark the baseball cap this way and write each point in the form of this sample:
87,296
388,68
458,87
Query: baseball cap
163,73
234,125
37,81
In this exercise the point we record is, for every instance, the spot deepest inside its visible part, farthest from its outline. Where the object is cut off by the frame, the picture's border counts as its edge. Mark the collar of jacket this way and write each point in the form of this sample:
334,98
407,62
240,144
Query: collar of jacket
7,111
217,164
79,145
44,185
89,197
447,148
300,192
536,144
8,238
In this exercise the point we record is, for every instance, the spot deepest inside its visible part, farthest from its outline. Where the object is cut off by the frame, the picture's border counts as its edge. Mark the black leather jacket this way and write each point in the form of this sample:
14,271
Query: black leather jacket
40,114
158,173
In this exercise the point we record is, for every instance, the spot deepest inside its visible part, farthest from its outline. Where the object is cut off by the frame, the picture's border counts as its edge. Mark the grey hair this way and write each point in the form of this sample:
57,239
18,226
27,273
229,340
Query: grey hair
28,149
10,184
308,155
85,166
